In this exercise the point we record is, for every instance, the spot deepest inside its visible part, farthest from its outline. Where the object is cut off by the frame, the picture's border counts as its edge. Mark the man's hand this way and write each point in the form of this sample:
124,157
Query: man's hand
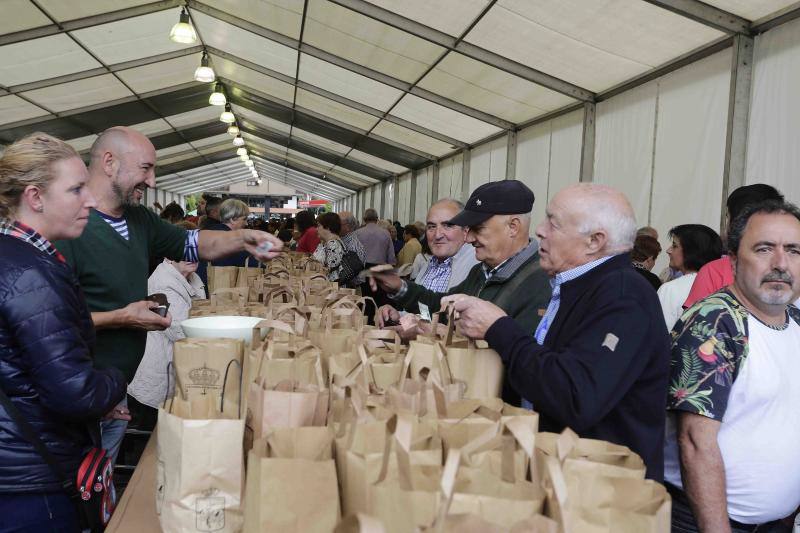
473,315
119,412
387,316
254,241
142,315
390,283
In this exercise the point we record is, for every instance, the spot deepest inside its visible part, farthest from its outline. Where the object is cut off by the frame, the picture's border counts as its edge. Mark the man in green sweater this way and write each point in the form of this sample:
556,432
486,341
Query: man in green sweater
111,258
508,275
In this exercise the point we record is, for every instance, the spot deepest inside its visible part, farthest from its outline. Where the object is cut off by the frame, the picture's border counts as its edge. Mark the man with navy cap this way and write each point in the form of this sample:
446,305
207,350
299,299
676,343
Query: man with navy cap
508,274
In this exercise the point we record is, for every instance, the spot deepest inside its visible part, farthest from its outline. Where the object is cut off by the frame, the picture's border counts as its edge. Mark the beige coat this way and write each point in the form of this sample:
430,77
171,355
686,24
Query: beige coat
149,385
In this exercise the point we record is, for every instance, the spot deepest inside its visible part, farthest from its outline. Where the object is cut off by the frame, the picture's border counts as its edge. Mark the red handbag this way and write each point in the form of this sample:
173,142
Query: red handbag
95,484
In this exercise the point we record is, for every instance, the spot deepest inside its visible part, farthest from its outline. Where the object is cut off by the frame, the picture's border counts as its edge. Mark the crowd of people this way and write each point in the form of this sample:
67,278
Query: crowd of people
691,368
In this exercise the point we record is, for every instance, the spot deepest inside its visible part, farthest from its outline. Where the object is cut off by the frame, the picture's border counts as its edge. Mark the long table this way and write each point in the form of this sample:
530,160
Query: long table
136,511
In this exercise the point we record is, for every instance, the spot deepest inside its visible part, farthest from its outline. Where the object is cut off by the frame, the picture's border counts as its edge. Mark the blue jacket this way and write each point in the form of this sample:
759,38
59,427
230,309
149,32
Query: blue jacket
46,340
604,365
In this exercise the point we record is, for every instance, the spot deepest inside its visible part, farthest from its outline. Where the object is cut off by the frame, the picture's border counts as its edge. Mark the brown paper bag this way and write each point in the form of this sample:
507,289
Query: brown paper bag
285,405
200,470
202,365
291,482
360,523
221,277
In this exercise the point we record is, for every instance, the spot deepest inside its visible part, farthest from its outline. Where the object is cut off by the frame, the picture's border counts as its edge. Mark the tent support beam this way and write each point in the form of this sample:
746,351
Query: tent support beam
587,143
435,181
412,207
395,196
705,14
733,175
465,164
511,155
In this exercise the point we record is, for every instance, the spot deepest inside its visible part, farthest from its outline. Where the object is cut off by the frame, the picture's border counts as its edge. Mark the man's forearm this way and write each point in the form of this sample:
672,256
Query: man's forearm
108,319
216,244
703,474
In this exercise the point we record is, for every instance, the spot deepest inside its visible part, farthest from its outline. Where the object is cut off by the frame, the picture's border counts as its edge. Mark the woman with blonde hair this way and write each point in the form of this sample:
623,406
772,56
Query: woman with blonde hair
233,215
47,378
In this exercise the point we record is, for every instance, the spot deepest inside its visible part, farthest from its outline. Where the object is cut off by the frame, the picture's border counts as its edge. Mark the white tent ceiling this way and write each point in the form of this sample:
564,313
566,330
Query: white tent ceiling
333,96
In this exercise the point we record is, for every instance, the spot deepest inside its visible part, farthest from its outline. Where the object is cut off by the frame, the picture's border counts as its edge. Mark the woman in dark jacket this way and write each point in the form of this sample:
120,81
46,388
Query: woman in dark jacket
46,335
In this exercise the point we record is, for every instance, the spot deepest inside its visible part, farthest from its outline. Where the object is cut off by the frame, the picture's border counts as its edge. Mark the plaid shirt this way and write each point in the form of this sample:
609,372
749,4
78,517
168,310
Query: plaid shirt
437,277
25,233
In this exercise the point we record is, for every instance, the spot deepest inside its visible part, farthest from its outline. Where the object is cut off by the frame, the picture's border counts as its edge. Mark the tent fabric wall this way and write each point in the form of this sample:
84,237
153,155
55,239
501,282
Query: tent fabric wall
388,201
772,154
488,163
404,198
450,177
422,199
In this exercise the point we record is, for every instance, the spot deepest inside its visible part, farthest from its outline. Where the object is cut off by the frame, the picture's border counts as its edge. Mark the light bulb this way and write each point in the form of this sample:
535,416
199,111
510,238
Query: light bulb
249,163
244,157
183,32
227,115
217,97
258,181
241,151
233,129
238,141
204,73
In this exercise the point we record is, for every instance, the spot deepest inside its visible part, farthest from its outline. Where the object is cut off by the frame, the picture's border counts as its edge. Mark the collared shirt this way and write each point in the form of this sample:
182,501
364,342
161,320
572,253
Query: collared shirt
352,244
555,301
510,265
17,229
437,277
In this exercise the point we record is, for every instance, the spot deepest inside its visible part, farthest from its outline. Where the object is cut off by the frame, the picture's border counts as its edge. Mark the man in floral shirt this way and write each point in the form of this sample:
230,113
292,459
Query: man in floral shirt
731,456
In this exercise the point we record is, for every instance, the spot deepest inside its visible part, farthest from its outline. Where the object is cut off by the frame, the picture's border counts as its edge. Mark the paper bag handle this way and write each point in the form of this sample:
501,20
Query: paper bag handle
225,382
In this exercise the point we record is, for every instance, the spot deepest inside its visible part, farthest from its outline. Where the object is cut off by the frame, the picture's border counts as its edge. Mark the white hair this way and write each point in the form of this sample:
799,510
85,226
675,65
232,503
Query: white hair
607,209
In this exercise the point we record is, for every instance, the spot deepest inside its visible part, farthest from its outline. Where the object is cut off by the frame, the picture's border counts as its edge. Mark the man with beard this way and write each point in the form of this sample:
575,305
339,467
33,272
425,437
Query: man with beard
111,257
731,461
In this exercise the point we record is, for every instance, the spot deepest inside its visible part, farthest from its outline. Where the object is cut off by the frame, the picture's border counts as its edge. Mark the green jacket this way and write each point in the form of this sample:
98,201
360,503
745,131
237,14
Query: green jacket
521,288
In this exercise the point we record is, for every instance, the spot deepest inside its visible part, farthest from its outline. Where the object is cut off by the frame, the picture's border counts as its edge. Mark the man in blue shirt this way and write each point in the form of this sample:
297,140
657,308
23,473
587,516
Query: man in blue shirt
598,361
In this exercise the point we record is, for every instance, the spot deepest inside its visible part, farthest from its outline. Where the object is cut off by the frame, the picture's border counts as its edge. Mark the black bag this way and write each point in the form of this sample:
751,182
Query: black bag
350,267
92,492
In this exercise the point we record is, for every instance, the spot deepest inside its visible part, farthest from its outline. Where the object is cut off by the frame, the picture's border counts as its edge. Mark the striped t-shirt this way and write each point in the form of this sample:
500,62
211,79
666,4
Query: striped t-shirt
120,225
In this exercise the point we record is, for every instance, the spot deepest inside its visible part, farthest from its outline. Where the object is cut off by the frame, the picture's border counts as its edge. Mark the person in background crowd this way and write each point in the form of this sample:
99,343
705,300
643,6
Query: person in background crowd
412,248
178,281
233,216
451,257
285,235
351,242
306,225
644,254
111,257
693,245
213,204
731,461
420,230
421,261
599,360
331,249
397,242
376,240
649,231
46,336
173,213
719,273
509,275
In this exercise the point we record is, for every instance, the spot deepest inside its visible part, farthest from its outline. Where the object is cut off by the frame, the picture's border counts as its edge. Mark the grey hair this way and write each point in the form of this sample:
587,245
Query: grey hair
604,214
232,209
349,220
457,203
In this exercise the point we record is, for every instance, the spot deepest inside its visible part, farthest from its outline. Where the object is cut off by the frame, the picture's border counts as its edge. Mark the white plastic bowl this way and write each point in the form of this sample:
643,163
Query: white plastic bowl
226,327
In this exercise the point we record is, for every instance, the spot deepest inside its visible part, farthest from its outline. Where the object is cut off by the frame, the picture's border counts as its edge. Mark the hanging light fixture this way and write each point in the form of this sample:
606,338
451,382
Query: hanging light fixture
227,115
241,151
218,96
183,32
233,129
249,163
237,141
244,157
204,73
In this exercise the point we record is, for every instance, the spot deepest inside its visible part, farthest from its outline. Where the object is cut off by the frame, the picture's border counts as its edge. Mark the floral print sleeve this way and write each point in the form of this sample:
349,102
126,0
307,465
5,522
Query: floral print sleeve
709,345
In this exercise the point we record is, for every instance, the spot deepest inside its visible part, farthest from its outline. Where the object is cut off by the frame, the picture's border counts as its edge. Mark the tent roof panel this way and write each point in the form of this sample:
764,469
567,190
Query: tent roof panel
82,144
132,38
368,42
195,116
63,11
26,16
81,93
214,139
329,108
594,45
259,119
328,144
439,118
13,109
246,45
162,74
346,83
170,150
43,58
449,16
751,9
237,73
411,138
369,159
490,89
282,16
